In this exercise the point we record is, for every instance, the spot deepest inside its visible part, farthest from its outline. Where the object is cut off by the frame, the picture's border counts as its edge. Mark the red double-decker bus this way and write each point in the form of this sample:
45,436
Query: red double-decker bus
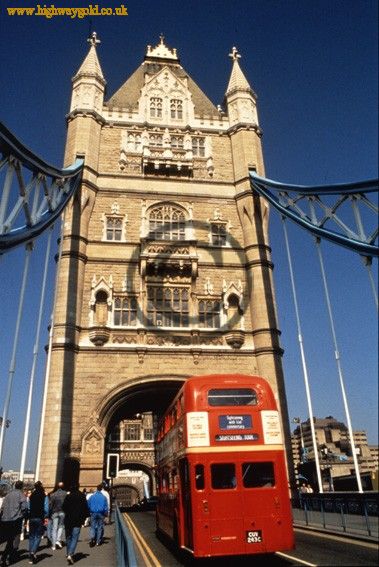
221,473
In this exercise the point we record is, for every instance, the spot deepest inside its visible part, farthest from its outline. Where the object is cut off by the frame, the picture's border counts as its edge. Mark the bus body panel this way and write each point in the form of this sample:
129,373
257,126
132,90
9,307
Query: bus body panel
222,479
239,520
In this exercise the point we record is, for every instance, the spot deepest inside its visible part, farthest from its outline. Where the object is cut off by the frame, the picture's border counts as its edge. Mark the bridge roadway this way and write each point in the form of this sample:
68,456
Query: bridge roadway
312,548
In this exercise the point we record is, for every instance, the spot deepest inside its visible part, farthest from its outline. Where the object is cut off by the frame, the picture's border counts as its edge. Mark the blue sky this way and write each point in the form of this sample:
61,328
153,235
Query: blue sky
314,67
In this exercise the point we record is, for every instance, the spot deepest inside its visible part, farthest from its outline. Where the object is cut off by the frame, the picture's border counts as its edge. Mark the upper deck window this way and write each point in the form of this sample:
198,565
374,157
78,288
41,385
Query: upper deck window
232,397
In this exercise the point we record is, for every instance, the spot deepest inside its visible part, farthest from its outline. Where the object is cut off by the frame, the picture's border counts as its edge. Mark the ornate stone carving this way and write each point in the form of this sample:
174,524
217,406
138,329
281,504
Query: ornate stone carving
168,340
235,338
128,339
99,335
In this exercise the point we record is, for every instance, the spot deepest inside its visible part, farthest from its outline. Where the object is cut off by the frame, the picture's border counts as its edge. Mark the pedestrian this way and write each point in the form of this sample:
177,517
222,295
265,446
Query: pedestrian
75,513
105,493
13,510
88,496
98,508
309,489
57,515
38,511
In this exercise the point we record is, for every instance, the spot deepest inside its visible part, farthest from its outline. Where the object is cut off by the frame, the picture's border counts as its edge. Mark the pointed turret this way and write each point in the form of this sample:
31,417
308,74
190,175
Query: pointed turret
85,118
240,97
237,79
89,83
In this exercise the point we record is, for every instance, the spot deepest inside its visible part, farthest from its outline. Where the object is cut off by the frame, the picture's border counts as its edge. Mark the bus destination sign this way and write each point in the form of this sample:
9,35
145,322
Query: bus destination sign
235,422
238,437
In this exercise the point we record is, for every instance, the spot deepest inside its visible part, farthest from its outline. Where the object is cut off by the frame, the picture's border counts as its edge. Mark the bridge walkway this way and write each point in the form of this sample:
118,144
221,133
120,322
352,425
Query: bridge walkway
86,556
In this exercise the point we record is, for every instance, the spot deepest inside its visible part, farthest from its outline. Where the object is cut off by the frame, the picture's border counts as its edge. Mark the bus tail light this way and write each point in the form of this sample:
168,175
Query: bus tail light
205,506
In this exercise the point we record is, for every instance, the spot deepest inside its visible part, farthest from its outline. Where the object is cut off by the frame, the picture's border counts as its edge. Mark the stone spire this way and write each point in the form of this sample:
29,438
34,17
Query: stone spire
91,65
237,79
88,85
240,98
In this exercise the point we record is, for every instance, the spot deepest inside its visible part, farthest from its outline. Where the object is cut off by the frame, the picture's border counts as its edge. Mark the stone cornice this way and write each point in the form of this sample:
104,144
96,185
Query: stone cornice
85,112
245,126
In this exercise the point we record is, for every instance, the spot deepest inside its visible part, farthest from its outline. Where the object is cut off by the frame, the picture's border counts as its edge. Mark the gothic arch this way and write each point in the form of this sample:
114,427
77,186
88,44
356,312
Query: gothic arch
115,399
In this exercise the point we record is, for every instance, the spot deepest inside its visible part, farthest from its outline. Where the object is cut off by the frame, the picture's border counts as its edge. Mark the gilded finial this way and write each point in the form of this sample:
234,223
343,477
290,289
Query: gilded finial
93,40
234,54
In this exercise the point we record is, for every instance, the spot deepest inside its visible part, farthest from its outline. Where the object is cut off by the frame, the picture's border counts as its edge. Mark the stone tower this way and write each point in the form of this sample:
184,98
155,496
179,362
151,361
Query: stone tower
165,270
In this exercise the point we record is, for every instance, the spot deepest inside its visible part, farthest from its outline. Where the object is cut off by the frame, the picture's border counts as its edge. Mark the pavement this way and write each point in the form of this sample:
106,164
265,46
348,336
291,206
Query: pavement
85,556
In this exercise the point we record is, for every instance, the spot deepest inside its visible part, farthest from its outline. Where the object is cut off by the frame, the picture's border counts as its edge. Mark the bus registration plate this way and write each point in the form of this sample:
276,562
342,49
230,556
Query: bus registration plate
254,537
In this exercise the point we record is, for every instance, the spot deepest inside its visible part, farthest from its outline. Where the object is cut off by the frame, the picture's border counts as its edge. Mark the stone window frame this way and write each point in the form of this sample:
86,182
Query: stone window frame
173,220
134,142
198,146
218,233
128,310
134,427
156,140
202,314
176,109
163,307
177,142
123,219
156,107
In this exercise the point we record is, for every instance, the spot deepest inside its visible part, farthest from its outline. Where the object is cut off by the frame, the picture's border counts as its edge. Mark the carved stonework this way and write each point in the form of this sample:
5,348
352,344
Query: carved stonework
144,457
127,339
99,335
92,445
168,340
167,249
235,339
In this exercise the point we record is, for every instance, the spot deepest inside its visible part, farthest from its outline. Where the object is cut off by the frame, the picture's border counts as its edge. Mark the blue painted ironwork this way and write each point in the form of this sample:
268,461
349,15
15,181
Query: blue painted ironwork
33,193
292,200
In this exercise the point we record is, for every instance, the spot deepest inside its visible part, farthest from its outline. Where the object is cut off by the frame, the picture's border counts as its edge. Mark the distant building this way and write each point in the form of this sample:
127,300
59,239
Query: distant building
334,449
12,476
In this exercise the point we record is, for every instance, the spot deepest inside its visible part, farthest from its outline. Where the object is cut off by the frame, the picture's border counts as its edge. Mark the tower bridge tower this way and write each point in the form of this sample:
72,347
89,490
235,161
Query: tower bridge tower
165,270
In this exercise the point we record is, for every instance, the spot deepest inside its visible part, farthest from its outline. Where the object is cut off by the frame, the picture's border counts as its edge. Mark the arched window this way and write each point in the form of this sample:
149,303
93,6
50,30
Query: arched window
176,107
114,228
218,233
209,313
134,142
155,107
167,306
125,311
156,140
167,223
198,147
177,142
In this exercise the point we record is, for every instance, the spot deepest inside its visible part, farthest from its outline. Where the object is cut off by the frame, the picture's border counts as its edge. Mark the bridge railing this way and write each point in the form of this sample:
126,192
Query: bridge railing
351,513
124,543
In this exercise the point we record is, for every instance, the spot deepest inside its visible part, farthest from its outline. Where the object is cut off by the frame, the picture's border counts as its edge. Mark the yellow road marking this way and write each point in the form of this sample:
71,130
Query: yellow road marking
152,559
140,548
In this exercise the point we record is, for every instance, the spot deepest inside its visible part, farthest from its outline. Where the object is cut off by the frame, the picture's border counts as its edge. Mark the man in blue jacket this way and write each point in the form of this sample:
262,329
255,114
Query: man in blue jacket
98,507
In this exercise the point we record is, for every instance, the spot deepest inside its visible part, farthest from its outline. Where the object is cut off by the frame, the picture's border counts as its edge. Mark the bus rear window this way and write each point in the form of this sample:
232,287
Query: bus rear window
258,475
232,397
223,475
